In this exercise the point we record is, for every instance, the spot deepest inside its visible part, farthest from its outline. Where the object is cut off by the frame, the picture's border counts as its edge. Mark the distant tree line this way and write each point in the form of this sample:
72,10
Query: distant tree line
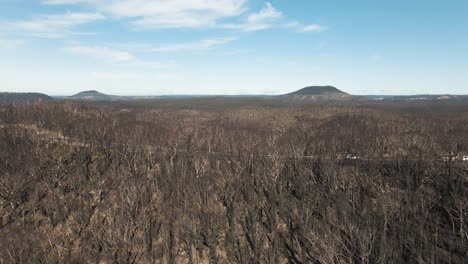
23,98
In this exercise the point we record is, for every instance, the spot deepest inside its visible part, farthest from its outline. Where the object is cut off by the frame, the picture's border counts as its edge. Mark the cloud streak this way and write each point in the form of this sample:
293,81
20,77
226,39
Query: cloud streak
99,52
266,18
267,13
311,28
114,55
201,45
166,14
54,26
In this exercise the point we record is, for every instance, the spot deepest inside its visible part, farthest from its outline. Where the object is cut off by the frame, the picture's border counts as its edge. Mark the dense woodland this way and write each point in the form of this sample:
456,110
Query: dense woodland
234,181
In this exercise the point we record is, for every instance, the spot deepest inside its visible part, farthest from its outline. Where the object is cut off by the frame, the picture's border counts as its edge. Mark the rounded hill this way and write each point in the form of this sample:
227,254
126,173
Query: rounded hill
89,93
318,90
93,95
320,93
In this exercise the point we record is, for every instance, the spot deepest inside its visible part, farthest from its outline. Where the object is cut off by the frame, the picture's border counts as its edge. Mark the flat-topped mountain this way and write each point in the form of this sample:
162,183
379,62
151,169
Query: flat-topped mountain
317,90
320,93
23,98
93,95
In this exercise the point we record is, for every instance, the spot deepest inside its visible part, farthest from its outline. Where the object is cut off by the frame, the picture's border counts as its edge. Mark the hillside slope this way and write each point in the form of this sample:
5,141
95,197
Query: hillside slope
23,98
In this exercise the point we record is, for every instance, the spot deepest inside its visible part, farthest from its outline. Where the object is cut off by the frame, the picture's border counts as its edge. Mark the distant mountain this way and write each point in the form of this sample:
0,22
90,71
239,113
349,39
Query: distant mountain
424,97
317,90
320,93
23,98
94,96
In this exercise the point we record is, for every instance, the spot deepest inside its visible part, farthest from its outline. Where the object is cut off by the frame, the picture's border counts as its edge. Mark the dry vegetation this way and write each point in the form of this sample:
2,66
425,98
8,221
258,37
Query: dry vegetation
233,181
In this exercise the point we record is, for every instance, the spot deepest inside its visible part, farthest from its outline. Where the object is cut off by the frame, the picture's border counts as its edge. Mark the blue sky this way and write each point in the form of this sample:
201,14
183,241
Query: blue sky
137,47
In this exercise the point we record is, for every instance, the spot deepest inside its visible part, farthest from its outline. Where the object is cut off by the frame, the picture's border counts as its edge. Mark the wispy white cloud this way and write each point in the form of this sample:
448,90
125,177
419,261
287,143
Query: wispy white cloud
205,44
114,55
301,28
174,21
245,26
99,52
269,17
165,13
157,8
157,14
54,26
266,18
267,13
311,28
